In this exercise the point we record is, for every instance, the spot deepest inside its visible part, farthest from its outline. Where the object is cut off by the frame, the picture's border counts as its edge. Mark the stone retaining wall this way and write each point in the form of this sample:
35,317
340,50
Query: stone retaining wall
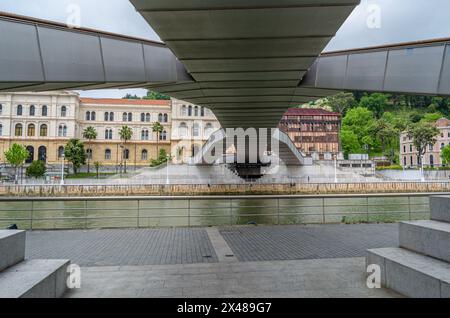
230,189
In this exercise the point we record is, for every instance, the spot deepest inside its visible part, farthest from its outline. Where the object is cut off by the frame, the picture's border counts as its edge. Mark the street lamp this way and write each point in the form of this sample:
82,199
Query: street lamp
167,170
62,168
422,168
335,169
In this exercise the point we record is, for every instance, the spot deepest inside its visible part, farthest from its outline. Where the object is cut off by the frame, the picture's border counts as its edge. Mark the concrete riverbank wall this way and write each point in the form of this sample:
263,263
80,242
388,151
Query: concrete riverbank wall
228,189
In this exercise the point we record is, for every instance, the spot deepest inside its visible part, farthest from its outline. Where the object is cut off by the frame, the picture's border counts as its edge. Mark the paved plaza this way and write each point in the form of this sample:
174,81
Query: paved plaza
250,261
192,246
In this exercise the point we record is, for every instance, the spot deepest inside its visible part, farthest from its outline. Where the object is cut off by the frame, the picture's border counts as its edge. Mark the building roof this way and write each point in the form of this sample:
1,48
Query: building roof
118,101
310,112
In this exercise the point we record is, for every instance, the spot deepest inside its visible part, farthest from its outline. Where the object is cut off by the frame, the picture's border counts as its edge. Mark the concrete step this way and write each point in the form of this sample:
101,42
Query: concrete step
12,248
440,208
430,238
35,279
412,274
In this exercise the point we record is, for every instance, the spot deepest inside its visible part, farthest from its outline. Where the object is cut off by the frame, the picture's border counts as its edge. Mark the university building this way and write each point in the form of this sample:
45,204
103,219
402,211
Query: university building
45,122
409,155
315,132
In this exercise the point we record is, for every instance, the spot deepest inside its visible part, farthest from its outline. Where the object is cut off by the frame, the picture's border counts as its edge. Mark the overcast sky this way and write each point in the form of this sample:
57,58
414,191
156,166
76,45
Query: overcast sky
374,22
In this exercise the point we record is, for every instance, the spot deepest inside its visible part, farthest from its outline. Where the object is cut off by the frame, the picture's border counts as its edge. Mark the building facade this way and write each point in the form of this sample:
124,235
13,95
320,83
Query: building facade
192,126
108,116
409,156
42,122
45,122
315,132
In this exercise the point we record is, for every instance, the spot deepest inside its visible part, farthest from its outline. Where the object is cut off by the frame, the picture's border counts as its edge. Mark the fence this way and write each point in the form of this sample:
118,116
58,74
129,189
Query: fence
146,212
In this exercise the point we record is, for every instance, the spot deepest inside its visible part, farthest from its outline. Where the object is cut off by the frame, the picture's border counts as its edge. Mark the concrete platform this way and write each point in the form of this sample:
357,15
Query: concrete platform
430,238
35,279
412,274
324,278
440,208
12,248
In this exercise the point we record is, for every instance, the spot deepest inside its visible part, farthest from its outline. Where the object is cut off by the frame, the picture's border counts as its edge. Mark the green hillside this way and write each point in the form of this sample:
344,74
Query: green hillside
372,122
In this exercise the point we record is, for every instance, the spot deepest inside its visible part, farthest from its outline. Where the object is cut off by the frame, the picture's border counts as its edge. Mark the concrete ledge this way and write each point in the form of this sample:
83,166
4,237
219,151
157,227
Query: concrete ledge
430,238
440,208
411,274
12,248
35,279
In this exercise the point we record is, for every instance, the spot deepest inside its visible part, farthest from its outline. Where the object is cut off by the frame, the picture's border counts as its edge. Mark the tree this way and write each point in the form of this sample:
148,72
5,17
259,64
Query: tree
37,169
361,123
90,134
16,157
423,135
386,133
350,142
97,166
158,129
341,102
129,96
156,96
125,133
75,154
375,102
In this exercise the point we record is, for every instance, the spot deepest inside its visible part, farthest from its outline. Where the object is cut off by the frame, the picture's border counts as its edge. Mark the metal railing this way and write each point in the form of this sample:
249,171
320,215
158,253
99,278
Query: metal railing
147,212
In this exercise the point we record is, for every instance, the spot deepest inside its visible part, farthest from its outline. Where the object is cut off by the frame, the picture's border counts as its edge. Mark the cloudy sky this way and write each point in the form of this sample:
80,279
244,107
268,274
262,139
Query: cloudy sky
374,22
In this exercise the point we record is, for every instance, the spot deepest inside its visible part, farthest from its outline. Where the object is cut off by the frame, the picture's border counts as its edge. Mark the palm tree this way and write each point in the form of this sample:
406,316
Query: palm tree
90,134
158,129
125,133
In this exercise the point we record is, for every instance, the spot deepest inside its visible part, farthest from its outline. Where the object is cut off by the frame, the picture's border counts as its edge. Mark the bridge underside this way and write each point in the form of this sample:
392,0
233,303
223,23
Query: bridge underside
248,61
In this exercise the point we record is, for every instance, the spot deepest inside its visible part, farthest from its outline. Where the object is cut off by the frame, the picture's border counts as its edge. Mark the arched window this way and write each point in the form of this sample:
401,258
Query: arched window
411,161
88,116
431,147
404,148
60,152
60,131
107,154
160,118
19,110
431,160
1,109
42,153
89,154
190,111
163,136
65,131
124,117
30,158
404,161
148,117
1,130
144,155
442,146
410,148
208,129
145,135
166,118
19,130
196,130
63,111
106,116
44,111
142,117
196,111
126,154
130,117
43,131
183,130
202,112
184,110
93,116
108,134
31,132
32,110
111,116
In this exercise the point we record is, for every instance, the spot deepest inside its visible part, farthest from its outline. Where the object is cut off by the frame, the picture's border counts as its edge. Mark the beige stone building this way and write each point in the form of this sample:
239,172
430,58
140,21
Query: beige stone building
192,126
108,116
409,157
42,122
45,122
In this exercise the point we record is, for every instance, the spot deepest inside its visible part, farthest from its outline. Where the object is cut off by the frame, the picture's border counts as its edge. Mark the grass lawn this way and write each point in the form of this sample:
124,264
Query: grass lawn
93,175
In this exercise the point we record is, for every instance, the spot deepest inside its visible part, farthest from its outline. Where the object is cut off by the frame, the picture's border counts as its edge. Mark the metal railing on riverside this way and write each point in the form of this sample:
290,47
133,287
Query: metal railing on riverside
147,212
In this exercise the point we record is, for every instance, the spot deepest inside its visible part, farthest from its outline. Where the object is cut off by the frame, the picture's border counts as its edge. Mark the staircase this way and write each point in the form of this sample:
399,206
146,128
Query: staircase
20,278
420,267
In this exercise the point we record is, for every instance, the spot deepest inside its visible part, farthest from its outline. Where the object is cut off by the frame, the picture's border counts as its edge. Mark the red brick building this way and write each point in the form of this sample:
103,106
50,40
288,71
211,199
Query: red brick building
315,132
